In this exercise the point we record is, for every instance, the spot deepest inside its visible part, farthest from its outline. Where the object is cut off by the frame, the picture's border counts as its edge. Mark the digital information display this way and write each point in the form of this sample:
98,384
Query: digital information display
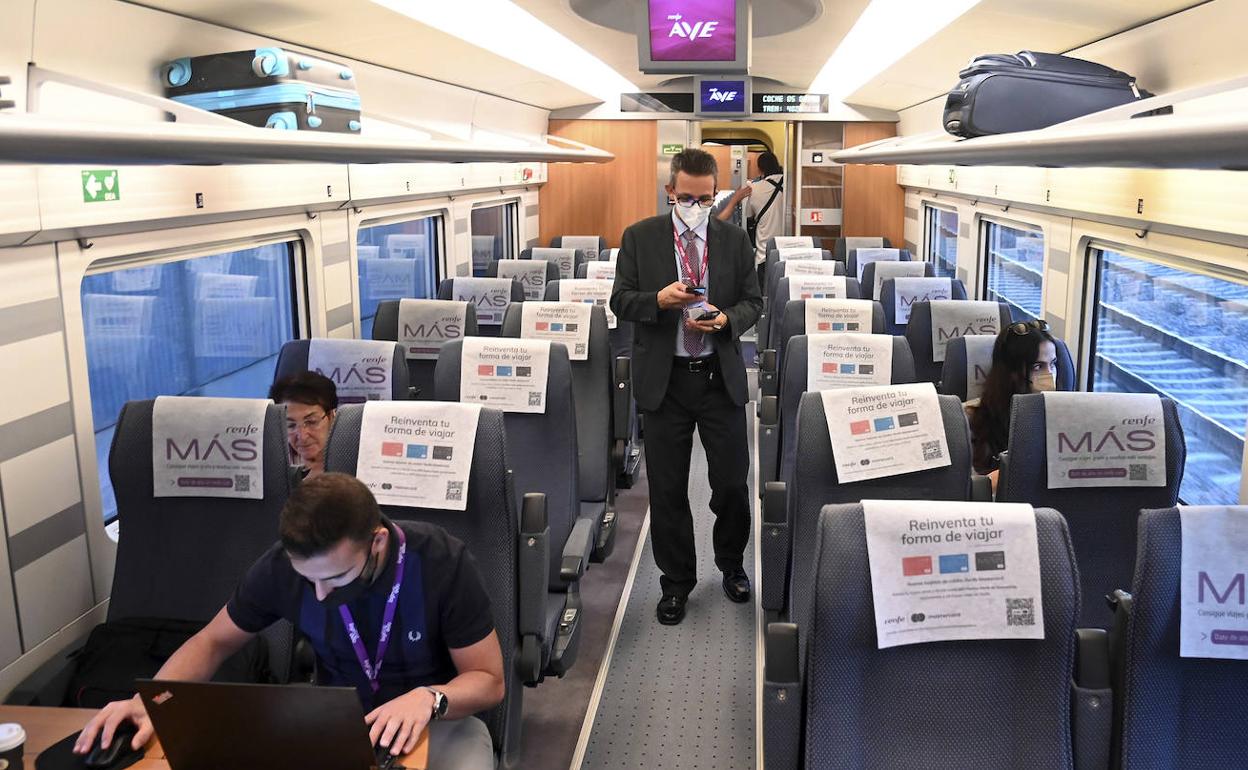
790,103
723,96
693,30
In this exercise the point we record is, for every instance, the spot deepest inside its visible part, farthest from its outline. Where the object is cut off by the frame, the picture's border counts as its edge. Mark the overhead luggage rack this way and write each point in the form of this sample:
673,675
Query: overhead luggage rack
1112,138
203,138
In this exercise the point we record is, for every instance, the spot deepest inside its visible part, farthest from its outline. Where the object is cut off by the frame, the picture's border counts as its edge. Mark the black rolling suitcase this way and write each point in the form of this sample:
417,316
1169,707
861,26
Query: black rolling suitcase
268,87
1001,93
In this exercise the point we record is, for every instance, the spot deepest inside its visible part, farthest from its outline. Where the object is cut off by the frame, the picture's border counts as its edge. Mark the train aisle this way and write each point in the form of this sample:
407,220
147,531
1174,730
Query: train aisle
680,696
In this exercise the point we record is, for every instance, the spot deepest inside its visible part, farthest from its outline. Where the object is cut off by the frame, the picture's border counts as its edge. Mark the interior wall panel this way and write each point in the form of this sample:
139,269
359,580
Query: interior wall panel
874,204
601,199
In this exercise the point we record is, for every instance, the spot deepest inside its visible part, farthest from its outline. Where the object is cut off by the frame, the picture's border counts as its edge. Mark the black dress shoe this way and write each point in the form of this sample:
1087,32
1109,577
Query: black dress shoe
671,609
737,585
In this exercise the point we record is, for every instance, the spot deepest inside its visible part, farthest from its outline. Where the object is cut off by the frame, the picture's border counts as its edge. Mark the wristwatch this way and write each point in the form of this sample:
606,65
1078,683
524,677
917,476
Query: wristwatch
440,704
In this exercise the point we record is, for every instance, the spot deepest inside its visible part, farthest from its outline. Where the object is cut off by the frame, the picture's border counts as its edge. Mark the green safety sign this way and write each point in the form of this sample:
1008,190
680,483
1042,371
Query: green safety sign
673,149
101,185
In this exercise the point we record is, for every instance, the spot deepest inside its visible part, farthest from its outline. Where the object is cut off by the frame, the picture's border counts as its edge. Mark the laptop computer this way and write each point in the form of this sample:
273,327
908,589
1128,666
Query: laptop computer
210,725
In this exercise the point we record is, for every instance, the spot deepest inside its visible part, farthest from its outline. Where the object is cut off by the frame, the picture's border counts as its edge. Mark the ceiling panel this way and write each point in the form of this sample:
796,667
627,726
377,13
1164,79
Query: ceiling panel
1003,26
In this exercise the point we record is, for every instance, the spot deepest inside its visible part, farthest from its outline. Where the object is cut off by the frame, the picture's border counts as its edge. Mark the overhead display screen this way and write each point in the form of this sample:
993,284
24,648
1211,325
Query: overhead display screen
723,96
694,36
790,103
693,30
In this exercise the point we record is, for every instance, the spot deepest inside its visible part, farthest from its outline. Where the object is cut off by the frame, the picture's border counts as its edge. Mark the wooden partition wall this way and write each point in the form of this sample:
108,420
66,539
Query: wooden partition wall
874,203
601,198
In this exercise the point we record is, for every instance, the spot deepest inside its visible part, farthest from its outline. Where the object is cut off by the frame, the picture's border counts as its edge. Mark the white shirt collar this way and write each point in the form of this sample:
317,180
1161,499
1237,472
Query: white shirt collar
681,227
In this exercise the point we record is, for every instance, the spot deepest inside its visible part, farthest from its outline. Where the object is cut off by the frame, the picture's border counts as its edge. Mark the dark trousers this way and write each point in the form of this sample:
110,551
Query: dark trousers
696,400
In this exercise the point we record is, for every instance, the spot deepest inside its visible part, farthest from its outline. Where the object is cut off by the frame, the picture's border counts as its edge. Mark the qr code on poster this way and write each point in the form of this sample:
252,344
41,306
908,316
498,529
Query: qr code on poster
932,450
535,398
242,482
579,349
454,491
1138,471
1020,612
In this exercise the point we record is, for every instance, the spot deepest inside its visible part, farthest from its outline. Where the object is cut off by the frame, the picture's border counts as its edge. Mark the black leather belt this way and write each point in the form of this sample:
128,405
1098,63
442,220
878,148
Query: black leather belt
696,365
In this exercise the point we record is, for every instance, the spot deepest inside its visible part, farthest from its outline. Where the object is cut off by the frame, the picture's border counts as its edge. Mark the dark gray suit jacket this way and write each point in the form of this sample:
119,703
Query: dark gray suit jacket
646,263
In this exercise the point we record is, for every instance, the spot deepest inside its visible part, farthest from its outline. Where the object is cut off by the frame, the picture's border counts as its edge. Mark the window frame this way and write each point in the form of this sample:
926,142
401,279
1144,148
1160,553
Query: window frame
511,226
984,223
1092,249
390,215
931,212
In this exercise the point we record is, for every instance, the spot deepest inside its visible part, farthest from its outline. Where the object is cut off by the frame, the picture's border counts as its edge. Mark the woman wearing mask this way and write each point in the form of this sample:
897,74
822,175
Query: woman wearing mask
311,401
1024,360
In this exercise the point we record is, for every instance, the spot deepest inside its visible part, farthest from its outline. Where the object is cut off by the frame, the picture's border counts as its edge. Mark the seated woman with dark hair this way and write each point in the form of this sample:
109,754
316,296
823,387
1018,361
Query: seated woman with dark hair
311,401
1024,360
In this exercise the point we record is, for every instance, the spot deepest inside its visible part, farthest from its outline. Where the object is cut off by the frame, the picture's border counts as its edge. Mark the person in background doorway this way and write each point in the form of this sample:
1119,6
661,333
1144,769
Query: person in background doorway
764,209
311,401
1024,360
686,281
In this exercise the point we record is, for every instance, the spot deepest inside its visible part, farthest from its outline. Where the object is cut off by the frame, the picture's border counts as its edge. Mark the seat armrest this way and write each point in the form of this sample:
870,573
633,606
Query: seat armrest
1003,476
1092,658
981,489
577,551
768,379
1122,604
534,564
622,398
782,699
776,546
768,440
1092,700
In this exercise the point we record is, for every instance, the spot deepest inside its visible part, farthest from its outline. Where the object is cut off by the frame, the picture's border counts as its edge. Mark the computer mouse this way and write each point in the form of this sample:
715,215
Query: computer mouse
117,751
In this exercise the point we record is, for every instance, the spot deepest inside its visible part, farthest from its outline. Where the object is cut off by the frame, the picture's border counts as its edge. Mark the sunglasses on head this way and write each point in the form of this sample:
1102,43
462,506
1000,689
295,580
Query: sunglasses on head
1023,327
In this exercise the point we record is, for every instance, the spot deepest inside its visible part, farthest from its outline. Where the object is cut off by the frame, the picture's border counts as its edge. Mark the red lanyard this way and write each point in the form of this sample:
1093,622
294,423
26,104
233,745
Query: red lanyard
684,257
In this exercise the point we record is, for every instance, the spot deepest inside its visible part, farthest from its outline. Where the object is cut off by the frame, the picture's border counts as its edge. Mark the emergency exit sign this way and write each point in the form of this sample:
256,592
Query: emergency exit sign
101,185
673,149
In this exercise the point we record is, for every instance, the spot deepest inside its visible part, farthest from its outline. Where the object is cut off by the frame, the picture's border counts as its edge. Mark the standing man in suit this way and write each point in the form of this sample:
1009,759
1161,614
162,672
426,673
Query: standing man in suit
687,281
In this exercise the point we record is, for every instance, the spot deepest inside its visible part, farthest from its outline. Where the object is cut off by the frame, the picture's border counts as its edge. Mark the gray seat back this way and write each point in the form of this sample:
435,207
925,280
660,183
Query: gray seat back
419,370
816,241
793,321
840,249
874,708
919,334
446,290
541,448
773,259
182,557
888,296
851,263
578,259
793,387
591,389
774,271
815,484
953,375
1176,712
293,359
552,272
489,527
868,278
590,256
1102,519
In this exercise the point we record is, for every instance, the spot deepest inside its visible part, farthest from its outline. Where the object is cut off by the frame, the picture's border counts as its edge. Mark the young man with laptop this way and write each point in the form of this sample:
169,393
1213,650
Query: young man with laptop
396,610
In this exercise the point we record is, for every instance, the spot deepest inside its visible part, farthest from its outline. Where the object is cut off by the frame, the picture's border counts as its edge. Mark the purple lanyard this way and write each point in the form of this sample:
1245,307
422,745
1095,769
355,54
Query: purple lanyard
392,602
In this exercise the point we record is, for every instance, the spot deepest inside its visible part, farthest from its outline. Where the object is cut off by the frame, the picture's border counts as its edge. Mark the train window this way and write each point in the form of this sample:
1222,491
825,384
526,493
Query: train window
1184,335
942,241
1015,268
493,234
206,326
396,260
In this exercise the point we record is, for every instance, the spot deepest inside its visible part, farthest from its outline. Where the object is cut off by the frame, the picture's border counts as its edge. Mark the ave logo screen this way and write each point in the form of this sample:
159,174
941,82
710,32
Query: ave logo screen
693,30
726,96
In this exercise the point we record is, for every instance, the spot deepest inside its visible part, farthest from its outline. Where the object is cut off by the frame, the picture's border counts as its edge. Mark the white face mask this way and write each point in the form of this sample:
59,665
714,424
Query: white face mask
1042,382
694,216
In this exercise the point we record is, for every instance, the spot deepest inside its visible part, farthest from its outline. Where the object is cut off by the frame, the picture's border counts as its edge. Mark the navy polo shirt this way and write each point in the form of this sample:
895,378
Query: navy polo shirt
442,605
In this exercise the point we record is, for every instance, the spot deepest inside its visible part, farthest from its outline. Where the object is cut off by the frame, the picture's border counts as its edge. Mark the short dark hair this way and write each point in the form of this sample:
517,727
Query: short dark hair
312,388
769,164
693,162
325,510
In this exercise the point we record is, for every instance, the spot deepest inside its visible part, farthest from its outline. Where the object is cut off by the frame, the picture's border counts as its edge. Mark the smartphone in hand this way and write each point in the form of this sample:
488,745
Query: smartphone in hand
710,315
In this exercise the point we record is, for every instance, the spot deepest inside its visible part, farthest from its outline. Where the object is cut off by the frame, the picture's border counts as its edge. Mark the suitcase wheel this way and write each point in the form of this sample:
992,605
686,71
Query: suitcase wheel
305,65
346,74
354,125
177,72
285,121
270,63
